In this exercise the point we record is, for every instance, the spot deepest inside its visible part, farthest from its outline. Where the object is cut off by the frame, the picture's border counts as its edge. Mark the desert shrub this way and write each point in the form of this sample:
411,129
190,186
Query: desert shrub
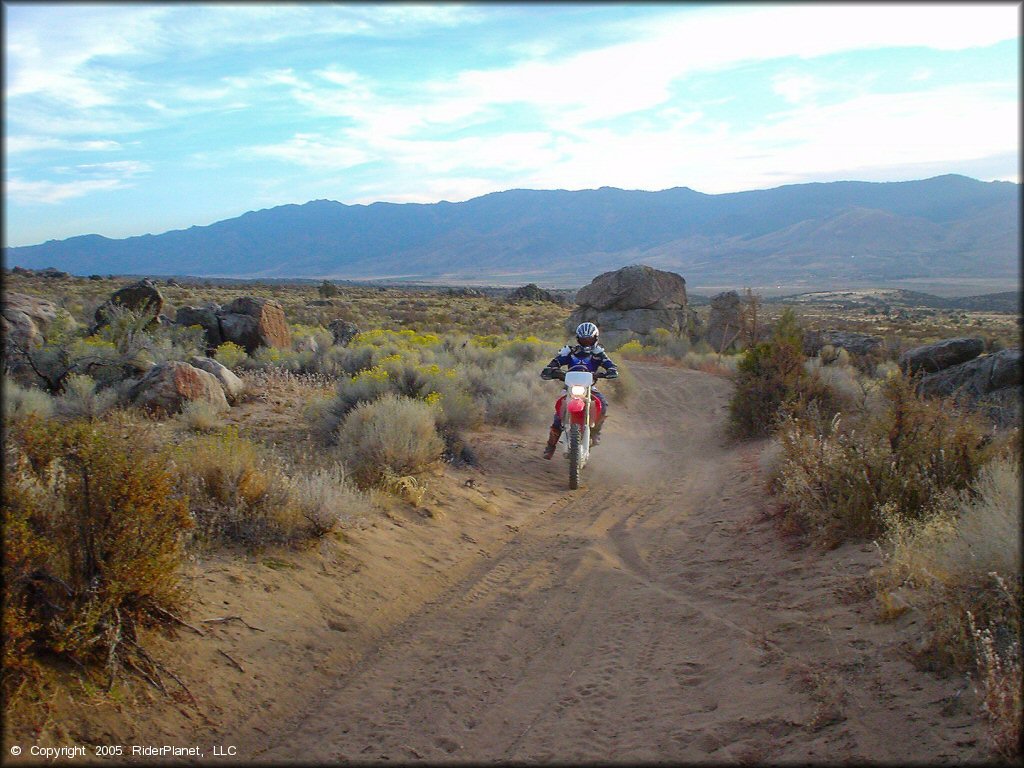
124,327
512,405
301,333
230,355
325,499
840,378
631,348
392,433
81,399
93,543
238,493
856,479
22,401
176,342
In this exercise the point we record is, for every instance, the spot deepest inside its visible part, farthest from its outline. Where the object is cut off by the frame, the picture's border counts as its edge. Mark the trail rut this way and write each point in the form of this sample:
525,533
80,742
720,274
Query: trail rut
652,615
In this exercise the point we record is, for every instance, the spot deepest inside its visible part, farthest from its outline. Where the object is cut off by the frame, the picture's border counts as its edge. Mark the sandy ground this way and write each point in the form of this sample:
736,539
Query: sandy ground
653,615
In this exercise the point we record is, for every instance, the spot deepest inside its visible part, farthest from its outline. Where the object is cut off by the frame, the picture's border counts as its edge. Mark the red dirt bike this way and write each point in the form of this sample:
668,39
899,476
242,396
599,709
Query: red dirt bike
579,411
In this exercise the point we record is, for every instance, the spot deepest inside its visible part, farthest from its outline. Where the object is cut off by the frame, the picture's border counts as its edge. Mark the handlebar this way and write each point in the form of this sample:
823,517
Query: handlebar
559,374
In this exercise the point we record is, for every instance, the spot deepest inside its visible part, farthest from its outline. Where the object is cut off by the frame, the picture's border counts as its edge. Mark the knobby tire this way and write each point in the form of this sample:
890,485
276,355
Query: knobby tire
575,438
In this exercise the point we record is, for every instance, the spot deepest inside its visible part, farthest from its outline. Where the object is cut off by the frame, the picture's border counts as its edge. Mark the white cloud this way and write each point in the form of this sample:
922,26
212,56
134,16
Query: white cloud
797,88
26,143
119,168
20,191
312,151
94,177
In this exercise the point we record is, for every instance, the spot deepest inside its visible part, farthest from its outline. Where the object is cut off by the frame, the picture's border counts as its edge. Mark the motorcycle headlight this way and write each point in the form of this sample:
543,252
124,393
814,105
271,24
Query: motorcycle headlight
577,391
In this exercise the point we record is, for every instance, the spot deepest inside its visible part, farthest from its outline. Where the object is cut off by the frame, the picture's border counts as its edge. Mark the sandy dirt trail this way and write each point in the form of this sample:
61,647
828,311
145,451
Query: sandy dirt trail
652,615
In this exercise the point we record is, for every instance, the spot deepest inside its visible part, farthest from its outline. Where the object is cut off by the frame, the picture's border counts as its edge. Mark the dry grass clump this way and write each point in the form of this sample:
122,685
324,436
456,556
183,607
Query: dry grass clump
999,685
20,402
856,477
395,433
94,534
325,499
200,416
82,398
961,565
239,493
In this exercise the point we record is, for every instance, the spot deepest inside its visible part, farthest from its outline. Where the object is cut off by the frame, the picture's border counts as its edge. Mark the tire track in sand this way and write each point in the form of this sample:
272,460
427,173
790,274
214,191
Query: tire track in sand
647,616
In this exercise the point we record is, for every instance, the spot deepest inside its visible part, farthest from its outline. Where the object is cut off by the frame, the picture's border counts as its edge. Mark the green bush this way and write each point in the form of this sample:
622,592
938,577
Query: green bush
230,355
772,382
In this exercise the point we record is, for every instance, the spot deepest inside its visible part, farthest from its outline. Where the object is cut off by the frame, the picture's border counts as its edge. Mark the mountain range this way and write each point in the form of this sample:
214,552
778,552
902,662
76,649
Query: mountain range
944,227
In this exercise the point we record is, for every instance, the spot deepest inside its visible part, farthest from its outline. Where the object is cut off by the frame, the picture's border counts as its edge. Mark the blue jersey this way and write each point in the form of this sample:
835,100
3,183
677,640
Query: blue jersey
571,357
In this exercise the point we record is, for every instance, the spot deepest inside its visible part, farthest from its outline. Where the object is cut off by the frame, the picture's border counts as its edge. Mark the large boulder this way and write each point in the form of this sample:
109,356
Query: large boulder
25,319
206,318
142,297
233,386
977,377
634,287
533,292
855,343
940,355
633,302
168,386
253,322
725,320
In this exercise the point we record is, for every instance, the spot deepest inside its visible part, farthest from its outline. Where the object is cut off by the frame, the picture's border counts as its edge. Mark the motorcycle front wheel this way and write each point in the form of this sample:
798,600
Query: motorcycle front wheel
575,440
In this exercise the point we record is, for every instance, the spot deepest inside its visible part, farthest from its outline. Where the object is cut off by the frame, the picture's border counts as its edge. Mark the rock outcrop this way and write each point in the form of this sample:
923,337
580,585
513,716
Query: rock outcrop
977,377
206,318
25,319
930,358
725,320
532,292
990,383
248,321
142,297
253,322
233,386
633,302
168,386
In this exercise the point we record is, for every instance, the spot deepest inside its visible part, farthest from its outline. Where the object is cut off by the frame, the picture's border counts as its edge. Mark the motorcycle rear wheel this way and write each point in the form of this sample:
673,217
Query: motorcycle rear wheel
575,439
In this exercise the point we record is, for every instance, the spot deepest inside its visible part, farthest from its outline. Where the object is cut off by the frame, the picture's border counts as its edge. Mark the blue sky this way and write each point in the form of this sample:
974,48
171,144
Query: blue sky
124,119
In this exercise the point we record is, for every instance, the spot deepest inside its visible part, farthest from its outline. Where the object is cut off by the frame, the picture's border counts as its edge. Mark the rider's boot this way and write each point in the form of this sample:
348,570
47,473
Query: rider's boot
595,432
553,435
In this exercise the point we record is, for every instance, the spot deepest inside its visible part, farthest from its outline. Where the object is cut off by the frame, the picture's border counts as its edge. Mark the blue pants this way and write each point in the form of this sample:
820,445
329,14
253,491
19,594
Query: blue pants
557,423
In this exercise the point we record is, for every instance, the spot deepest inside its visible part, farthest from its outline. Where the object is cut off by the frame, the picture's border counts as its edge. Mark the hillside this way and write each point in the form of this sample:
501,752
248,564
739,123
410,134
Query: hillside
945,227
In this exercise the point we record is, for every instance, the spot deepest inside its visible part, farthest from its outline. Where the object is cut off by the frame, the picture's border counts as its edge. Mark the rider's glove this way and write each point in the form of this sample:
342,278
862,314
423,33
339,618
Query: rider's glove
612,374
547,373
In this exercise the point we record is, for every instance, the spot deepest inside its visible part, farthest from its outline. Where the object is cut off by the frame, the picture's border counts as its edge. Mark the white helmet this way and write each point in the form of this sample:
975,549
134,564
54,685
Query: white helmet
586,334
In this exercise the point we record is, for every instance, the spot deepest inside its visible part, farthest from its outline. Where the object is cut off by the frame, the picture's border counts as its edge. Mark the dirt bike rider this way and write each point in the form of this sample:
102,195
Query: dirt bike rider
589,354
